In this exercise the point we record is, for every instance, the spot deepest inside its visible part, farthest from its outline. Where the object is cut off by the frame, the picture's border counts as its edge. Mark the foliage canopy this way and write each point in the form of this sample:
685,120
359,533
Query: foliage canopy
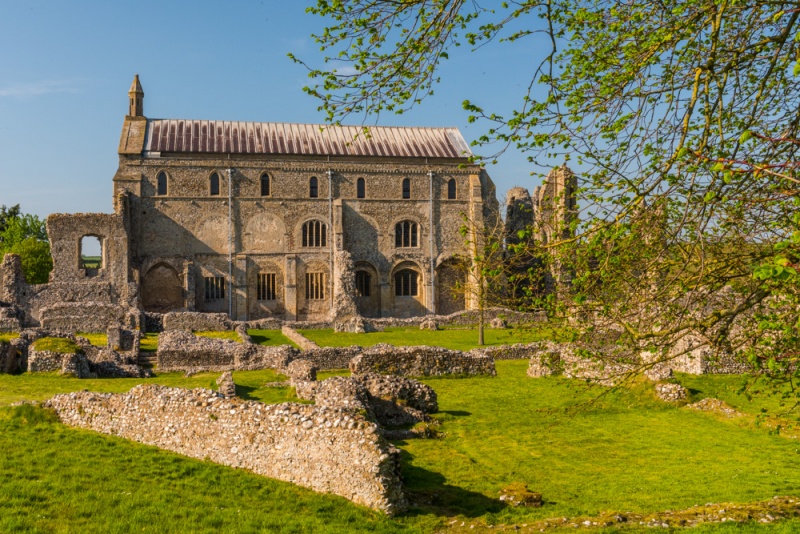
682,117
26,235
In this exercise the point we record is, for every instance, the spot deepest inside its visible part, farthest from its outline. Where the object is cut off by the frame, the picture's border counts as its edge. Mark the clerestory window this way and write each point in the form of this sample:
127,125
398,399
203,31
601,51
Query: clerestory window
214,184
451,189
361,188
265,185
161,183
406,188
313,187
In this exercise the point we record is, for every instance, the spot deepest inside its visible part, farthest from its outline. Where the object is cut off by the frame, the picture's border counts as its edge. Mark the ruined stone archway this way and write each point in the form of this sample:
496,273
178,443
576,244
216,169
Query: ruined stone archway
162,289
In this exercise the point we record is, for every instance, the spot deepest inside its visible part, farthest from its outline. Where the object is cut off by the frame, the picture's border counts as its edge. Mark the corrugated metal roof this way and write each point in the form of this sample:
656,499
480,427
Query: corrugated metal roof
226,137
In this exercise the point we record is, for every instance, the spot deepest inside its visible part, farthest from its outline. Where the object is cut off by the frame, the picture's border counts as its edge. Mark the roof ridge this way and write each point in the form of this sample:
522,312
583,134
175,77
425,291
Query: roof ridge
310,124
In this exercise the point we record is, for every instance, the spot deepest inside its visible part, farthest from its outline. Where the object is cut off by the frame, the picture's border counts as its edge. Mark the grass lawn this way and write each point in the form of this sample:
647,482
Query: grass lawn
270,338
98,339
5,337
624,452
149,342
230,335
56,344
450,338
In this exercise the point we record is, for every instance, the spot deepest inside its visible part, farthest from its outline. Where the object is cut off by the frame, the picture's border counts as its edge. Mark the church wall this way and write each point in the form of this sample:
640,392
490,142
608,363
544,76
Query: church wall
191,224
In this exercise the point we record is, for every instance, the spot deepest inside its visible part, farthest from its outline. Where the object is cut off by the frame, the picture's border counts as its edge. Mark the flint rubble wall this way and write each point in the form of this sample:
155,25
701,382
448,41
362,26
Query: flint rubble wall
420,361
325,449
298,338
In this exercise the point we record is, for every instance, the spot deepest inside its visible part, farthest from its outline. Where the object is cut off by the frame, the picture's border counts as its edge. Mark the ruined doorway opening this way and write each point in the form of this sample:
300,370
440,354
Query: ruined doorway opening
91,255
162,289
451,286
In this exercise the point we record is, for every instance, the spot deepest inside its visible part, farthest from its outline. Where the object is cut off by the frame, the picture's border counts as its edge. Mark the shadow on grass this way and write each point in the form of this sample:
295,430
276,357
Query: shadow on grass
456,413
428,493
244,392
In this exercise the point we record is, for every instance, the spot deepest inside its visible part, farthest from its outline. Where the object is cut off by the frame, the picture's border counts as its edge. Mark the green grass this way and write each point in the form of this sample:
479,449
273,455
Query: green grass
623,451
230,335
42,386
270,338
91,262
56,344
149,342
450,339
5,337
97,339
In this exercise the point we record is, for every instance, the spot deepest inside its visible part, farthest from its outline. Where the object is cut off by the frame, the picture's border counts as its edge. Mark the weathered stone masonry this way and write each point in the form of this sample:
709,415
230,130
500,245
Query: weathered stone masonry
325,449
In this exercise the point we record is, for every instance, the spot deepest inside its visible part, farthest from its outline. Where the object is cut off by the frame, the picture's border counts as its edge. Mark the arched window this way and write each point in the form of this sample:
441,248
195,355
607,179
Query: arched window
361,188
313,187
265,185
405,234
214,184
363,280
161,186
451,189
315,234
406,188
405,283
91,252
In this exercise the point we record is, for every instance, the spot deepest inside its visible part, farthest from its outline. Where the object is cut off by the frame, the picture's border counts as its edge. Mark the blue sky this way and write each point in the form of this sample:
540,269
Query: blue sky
66,68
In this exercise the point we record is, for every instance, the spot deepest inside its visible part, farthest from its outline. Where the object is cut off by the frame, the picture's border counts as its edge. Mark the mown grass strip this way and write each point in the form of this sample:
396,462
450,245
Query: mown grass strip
270,338
461,339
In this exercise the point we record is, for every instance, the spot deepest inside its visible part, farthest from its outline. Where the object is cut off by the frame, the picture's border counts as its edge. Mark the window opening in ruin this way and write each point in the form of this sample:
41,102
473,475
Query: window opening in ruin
215,287
451,189
363,280
361,188
405,234
405,283
266,286
315,286
265,185
161,183
315,234
313,189
214,184
406,188
91,255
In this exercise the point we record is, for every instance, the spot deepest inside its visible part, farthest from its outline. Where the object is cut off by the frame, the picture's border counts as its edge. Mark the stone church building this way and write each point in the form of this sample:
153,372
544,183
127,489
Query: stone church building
248,219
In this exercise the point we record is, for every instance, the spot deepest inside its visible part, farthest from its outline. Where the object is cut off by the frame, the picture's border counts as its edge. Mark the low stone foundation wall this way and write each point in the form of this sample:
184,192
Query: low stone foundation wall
179,350
70,317
519,351
45,361
325,449
691,354
420,361
331,357
298,338
196,321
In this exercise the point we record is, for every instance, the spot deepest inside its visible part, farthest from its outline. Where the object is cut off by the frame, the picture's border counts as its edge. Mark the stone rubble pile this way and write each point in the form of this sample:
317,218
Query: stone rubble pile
226,385
390,400
671,392
330,450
